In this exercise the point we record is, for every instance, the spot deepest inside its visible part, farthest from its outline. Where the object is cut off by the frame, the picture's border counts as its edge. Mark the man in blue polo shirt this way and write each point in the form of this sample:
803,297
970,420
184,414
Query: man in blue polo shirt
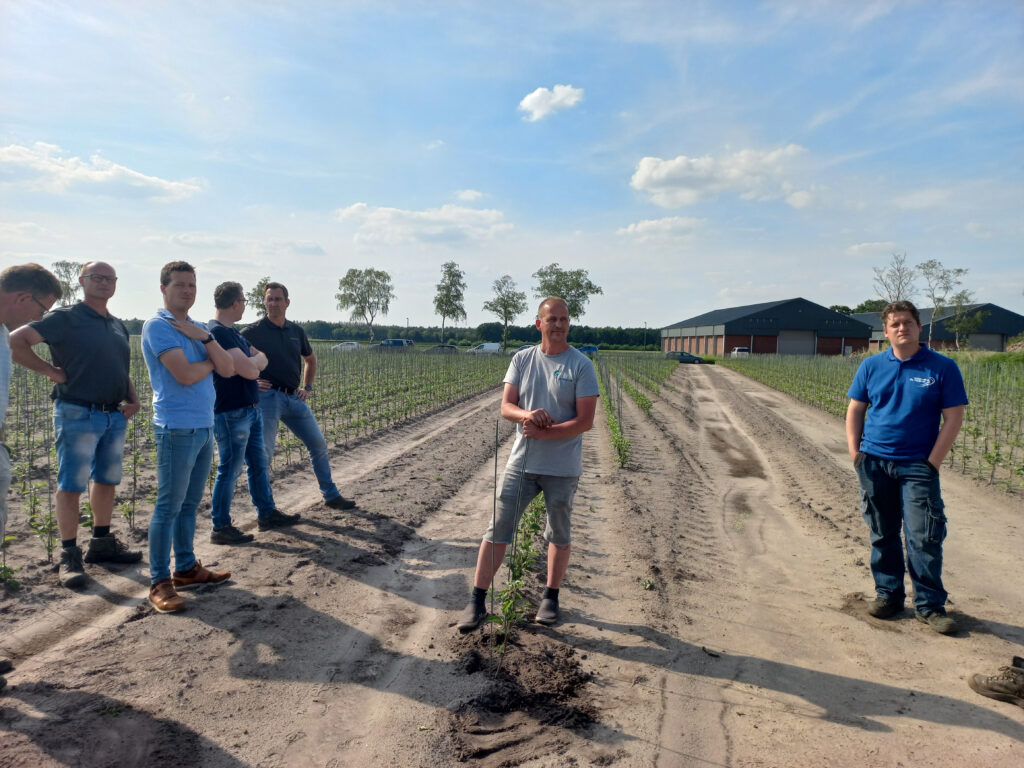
181,356
917,401
238,425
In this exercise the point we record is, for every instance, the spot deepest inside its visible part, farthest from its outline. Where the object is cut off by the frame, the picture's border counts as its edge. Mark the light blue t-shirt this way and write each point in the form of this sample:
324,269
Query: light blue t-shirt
175,405
5,372
551,382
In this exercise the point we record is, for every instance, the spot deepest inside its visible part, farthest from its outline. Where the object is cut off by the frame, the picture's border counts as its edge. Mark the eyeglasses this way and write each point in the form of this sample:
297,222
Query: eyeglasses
102,278
40,304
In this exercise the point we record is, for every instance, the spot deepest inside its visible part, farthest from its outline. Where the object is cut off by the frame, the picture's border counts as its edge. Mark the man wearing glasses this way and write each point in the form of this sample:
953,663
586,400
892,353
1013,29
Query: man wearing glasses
93,399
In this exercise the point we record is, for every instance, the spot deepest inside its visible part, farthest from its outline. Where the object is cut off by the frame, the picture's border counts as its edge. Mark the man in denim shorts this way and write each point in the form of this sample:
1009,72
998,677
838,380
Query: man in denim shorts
917,400
93,399
551,393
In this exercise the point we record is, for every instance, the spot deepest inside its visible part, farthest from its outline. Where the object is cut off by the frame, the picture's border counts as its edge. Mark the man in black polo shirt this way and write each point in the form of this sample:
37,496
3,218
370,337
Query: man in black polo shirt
238,424
281,398
93,399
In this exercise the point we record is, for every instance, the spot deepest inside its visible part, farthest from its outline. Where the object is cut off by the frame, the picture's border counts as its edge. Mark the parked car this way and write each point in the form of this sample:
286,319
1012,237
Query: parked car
346,346
740,352
588,349
487,348
686,357
520,348
442,349
394,345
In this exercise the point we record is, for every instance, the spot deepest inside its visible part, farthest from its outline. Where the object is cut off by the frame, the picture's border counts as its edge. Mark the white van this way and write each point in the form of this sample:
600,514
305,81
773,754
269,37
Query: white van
740,352
488,348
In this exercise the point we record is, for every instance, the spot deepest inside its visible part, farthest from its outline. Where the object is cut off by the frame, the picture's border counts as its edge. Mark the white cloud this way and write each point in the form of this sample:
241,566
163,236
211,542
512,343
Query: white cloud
871,249
543,101
448,224
668,228
22,230
752,174
213,242
432,145
977,230
47,167
922,198
468,195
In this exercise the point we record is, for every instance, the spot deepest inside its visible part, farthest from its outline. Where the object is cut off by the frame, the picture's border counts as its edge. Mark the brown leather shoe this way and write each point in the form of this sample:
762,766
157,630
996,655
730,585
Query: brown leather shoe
164,598
198,575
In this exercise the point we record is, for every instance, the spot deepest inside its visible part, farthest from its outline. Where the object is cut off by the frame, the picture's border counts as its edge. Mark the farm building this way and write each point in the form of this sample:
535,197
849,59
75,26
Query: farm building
789,327
997,325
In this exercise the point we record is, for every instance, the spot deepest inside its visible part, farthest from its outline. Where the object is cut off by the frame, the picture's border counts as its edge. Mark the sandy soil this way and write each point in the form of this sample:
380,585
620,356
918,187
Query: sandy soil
713,616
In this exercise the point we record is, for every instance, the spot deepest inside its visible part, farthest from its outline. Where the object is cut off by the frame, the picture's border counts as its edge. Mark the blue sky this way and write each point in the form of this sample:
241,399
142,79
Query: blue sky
689,155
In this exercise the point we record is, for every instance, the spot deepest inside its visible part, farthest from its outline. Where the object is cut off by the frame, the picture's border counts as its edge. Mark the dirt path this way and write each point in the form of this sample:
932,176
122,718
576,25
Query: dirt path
712,616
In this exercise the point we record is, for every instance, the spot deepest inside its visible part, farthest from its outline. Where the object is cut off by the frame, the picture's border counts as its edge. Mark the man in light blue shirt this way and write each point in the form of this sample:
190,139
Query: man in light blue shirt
181,356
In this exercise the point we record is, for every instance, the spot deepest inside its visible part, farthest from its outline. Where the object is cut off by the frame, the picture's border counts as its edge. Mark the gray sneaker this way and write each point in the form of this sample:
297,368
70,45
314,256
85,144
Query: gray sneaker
71,572
472,616
547,613
107,549
230,535
939,621
1008,685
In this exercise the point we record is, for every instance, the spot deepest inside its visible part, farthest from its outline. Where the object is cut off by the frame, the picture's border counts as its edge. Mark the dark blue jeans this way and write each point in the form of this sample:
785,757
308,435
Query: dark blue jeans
239,436
904,496
277,406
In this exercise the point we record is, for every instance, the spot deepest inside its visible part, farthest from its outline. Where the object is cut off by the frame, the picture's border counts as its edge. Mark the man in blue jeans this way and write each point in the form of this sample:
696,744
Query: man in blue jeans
917,400
281,397
93,399
238,425
181,356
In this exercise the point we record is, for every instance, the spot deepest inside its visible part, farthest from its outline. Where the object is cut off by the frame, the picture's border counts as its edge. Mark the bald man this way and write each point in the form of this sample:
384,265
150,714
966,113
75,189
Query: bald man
93,399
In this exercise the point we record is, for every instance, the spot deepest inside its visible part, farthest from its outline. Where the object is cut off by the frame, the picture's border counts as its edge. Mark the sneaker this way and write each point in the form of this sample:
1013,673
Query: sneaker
1008,685
107,549
277,519
547,613
230,535
938,620
884,608
340,502
472,616
164,598
71,572
198,575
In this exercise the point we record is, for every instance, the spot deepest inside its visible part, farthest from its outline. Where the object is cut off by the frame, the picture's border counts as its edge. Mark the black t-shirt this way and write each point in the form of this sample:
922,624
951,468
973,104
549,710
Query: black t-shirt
236,391
93,351
284,346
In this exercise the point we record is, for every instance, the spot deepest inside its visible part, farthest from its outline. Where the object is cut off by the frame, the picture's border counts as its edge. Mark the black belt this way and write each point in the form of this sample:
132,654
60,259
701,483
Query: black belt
104,407
286,390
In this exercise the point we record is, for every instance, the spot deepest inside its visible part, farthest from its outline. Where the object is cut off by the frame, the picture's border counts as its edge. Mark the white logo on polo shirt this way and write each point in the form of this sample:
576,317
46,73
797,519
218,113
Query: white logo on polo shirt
924,381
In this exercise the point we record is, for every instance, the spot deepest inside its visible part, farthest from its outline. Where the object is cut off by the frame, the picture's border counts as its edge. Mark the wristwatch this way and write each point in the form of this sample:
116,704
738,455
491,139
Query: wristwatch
308,387
208,339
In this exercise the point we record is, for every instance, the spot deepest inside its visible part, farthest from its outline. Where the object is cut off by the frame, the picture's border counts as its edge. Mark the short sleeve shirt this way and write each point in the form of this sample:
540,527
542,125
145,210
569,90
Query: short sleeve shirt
907,398
92,349
284,346
554,383
175,405
236,391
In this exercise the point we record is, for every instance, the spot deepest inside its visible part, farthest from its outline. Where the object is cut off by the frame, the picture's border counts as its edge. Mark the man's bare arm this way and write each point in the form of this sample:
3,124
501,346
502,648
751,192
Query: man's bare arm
22,341
855,426
510,410
952,420
245,366
586,407
184,372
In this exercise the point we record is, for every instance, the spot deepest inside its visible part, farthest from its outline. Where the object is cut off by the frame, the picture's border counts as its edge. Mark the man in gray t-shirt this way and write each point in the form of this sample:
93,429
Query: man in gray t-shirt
551,393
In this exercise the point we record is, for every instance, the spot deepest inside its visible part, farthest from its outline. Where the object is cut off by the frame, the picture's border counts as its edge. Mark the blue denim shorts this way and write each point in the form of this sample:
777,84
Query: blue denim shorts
90,443
559,493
